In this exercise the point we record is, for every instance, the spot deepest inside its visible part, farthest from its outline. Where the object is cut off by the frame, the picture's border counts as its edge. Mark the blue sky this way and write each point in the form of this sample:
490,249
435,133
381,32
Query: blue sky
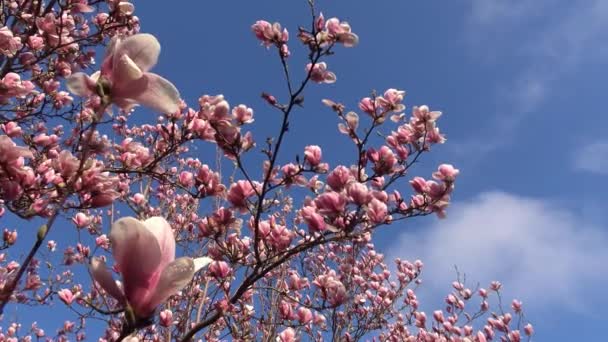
521,87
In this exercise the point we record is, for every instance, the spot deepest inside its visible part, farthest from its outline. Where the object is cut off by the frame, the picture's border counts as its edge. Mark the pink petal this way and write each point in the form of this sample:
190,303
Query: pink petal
164,235
80,84
126,8
174,278
108,59
103,276
151,91
201,262
138,255
349,39
125,70
142,48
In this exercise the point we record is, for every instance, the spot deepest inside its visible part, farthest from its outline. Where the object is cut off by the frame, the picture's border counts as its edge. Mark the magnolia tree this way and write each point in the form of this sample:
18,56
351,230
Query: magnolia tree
280,250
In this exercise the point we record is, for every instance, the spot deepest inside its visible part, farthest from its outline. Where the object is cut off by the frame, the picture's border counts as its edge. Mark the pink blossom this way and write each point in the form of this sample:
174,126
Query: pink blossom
315,221
144,252
423,113
239,192
377,211
341,31
280,237
304,315
287,335
10,237
166,318
446,173
420,185
81,6
186,178
35,42
270,34
351,123
125,8
330,203
9,44
331,288
339,177
12,129
124,78
313,155
495,285
219,269
81,220
12,86
358,193
320,74
66,296
368,106
242,114
391,100
384,160
51,245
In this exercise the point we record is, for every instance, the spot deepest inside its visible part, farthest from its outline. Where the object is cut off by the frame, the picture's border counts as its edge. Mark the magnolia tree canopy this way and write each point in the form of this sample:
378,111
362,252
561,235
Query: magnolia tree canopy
162,242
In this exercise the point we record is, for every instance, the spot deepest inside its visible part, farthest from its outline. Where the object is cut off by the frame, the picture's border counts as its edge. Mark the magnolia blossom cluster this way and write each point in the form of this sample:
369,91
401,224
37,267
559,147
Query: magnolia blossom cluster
178,231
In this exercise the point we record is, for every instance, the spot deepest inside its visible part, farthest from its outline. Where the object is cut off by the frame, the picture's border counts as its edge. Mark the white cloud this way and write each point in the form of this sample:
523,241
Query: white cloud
593,158
544,254
544,41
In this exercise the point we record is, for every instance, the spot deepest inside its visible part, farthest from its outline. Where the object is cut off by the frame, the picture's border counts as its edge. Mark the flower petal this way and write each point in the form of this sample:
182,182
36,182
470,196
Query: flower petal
151,91
174,278
164,235
103,276
201,262
80,84
138,256
126,70
142,48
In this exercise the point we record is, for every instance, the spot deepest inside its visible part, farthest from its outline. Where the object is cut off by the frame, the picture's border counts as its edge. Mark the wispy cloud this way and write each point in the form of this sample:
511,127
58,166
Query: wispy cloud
544,254
593,158
544,41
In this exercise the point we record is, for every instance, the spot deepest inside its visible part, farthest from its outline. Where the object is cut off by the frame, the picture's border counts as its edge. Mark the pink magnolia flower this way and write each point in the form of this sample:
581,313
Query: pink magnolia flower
377,211
342,32
270,34
314,220
313,155
12,129
66,296
287,335
82,220
446,173
124,78
166,318
331,203
320,74
220,269
304,315
9,44
384,160
12,156
242,114
123,7
12,86
339,177
358,193
391,100
239,193
144,252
